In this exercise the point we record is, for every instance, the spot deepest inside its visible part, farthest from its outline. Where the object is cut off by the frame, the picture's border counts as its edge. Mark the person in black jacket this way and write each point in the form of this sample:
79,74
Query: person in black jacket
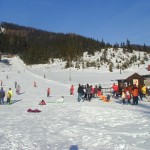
80,93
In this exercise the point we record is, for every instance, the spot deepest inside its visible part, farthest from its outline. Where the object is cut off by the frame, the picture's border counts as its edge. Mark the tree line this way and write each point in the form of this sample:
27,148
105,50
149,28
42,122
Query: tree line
35,46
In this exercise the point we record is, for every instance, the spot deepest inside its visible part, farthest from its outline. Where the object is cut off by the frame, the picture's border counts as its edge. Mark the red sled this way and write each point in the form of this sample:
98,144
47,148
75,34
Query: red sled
34,110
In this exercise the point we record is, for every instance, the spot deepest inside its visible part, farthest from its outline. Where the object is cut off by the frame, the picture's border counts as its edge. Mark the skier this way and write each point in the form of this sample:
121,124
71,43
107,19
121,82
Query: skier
44,76
95,91
92,91
18,89
42,102
88,91
72,90
15,84
1,83
2,95
123,96
99,92
135,93
84,92
35,84
9,96
115,90
48,92
128,96
144,91
99,88
80,93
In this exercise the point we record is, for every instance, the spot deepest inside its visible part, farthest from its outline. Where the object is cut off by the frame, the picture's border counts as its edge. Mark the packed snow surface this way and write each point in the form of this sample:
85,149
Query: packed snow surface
70,125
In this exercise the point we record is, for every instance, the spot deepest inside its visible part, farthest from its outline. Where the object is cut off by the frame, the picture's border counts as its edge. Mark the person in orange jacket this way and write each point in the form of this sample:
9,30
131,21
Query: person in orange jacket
135,94
72,90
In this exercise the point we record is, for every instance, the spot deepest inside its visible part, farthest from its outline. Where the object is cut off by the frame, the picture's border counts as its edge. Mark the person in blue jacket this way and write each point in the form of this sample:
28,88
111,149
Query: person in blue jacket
2,95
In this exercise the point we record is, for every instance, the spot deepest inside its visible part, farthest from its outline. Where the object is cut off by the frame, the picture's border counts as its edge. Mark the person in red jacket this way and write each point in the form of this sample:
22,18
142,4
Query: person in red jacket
48,92
72,90
115,90
128,96
92,91
42,102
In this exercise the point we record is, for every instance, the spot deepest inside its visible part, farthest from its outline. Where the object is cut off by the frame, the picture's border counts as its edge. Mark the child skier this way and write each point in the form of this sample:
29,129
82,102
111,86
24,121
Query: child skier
123,96
72,90
48,92
1,83
42,102
128,95
18,90
35,84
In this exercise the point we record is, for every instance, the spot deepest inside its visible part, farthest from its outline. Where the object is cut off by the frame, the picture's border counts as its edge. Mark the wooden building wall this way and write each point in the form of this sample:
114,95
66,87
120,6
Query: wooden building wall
135,76
129,81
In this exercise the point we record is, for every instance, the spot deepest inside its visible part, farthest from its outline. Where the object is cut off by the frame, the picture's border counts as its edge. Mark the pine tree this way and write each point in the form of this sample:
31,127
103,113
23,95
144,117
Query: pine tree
128,46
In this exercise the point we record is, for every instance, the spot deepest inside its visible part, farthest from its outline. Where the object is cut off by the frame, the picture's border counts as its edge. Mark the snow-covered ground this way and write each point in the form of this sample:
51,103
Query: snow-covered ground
70,125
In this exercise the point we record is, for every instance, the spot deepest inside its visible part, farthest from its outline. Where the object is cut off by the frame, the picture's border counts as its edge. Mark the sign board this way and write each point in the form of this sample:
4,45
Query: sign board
135,82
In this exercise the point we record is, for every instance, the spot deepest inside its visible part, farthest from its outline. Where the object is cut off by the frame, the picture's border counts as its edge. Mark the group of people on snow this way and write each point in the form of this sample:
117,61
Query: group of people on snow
134,93
129,93
87,92
8,95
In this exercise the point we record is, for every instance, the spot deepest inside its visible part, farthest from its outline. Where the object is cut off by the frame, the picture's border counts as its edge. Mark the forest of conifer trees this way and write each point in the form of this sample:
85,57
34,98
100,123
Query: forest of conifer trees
35,46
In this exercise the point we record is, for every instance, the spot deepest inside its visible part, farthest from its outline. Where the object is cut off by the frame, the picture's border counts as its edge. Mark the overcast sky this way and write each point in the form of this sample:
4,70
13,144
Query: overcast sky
110,20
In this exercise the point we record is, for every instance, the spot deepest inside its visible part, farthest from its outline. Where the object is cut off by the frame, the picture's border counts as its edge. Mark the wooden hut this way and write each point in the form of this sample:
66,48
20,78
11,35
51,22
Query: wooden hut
134,79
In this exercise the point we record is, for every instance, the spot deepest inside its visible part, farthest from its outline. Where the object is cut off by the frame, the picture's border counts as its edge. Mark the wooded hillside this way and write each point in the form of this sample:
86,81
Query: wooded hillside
35,46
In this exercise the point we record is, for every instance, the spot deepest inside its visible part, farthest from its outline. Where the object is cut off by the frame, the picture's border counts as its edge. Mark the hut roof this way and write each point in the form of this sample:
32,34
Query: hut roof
127,76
